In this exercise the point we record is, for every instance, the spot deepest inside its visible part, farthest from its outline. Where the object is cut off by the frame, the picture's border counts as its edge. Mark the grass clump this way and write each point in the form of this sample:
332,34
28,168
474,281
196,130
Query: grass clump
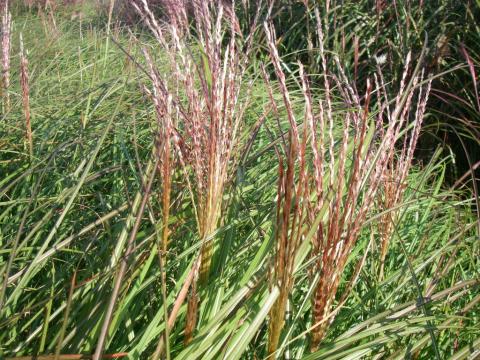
187,191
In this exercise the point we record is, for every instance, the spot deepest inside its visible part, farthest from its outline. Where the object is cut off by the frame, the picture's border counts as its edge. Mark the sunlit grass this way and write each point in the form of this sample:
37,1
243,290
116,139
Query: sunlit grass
75,211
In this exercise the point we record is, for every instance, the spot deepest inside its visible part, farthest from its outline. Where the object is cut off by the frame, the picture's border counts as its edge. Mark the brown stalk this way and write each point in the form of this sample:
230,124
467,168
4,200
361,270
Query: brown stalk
68,357
192,314
182,295
292,193
283,264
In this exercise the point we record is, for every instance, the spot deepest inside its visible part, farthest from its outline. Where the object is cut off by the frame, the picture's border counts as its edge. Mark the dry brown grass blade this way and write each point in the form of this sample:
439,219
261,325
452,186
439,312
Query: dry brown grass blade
292,195
192,313
182,295
68,357
282,274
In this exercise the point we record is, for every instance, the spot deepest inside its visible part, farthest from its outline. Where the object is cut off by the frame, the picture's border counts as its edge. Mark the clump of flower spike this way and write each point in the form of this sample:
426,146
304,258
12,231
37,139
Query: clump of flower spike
393,187
208,97
330,190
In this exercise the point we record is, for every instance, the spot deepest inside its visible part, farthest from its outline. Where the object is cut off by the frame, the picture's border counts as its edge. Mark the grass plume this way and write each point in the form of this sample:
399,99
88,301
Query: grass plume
334,191
6,38
208,97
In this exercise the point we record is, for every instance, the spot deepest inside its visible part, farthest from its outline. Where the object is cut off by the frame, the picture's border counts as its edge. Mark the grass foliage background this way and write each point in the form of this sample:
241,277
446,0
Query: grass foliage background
64,209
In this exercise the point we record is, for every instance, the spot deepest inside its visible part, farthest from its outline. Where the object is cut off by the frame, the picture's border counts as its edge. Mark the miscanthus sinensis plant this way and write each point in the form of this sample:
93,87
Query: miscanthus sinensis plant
238,205
200,100
6,39
335,163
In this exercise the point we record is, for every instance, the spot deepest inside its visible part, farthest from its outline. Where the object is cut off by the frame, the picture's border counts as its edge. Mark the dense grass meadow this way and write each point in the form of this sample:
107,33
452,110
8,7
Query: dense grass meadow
240,179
